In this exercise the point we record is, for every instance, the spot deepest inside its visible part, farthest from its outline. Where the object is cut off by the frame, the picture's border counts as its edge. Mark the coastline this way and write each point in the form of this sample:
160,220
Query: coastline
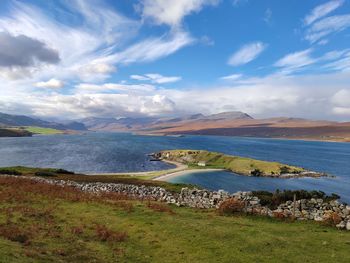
184,172
162,175
292,138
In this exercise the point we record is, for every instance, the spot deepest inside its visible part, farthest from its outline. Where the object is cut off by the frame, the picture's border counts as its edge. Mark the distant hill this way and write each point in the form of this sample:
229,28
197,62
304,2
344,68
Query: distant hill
226,125
231,115
233,123
14,133
7,120
145,123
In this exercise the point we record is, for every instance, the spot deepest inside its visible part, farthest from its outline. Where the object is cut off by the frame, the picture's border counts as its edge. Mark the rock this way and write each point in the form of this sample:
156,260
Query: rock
318,218
341,225
348,225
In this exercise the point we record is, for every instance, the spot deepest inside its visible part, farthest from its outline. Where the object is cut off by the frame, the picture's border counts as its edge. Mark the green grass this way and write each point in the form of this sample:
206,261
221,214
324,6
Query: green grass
41,130
184,235
237,164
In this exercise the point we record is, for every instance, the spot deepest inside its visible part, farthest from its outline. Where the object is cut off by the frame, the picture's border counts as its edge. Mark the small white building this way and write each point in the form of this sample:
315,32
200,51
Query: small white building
201,163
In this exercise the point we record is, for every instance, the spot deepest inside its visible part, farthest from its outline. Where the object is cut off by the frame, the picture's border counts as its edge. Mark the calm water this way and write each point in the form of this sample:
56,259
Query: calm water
116,152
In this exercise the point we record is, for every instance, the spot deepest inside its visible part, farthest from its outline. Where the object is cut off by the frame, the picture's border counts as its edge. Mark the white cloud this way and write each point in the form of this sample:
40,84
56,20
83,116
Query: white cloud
335,54
139,77
327,26
342,64
87,105
322,10
114,87
157,104
271,96
312,96
78,46
341,102
99,69
268,16
155,78
247,53
52,83
171,12
152,48
296,60
232,77
90,51
95,71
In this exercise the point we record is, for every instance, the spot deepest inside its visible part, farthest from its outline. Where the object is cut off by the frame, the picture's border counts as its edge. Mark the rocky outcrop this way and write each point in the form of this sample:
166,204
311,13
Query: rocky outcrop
304,209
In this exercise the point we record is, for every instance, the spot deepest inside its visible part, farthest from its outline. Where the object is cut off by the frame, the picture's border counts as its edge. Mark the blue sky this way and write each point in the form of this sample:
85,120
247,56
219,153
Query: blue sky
74,59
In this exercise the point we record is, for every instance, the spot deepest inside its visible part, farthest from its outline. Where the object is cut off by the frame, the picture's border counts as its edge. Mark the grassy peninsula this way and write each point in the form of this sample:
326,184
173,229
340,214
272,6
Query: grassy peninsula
25,131
42,130
200,159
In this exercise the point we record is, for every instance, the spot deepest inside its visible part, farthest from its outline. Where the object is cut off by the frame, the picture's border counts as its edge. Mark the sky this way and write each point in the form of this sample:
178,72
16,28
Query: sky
71,59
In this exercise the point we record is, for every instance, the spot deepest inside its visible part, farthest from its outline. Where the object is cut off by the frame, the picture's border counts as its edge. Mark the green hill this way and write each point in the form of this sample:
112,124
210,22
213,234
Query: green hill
46,223
14,132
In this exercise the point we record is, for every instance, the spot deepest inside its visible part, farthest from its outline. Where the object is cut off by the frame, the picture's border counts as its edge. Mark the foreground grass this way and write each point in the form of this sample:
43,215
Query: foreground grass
49,224
59,174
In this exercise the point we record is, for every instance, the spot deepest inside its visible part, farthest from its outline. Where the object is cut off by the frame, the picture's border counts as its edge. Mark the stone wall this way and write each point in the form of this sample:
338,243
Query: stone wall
313,209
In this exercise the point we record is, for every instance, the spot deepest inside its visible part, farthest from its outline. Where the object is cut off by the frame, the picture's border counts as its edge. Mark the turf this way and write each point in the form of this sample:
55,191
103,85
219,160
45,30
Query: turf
237,164
41,130
43,223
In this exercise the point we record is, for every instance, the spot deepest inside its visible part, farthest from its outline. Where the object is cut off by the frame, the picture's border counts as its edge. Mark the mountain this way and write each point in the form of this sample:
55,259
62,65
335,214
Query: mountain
146,123
113,124
14,132
290,128
21,120
231,115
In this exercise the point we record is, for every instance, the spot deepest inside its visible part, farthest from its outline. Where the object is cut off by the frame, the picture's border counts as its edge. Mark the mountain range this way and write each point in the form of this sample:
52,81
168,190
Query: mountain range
8,120
234,123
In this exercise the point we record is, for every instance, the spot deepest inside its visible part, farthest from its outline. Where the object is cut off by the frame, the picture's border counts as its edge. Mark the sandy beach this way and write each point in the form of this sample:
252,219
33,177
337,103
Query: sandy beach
169,175
179,170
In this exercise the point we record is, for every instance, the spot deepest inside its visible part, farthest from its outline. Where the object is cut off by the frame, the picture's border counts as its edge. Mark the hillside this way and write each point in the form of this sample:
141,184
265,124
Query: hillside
6,132
150,123
47,223
289,128
20,120
234,123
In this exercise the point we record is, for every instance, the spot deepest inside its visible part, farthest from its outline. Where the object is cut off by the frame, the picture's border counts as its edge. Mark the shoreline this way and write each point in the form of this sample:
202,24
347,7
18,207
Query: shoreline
179,170
306,139
184,172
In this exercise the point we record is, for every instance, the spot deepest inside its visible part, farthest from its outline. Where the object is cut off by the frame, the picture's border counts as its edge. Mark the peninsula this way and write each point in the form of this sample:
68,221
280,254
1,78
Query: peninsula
200,159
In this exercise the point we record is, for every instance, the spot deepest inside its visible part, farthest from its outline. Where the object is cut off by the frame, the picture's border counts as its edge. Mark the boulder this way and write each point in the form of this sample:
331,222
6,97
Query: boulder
341,225
348,225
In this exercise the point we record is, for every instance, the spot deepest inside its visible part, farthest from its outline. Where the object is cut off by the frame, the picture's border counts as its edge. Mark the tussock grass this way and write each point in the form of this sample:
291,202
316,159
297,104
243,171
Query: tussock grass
46,223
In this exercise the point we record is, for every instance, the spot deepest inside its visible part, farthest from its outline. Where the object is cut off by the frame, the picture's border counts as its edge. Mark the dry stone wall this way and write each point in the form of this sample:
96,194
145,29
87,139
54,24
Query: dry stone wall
312,209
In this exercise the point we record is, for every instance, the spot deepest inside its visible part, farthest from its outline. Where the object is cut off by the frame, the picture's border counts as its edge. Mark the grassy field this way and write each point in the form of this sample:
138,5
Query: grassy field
41,130
236,164
43,223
